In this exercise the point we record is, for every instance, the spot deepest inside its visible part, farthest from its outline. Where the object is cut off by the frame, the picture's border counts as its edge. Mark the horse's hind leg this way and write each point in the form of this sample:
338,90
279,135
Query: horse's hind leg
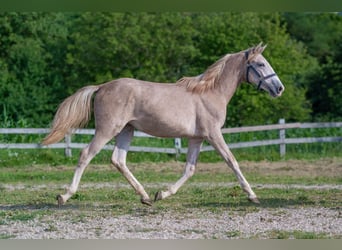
86,156
123,140
189,169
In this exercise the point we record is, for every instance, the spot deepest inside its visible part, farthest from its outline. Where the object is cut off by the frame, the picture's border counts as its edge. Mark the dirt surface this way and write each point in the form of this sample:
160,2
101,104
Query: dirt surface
265,223
195,223
326,167
331,167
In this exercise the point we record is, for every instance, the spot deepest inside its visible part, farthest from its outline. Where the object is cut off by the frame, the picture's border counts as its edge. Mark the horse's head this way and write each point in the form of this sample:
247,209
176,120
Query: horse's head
260,72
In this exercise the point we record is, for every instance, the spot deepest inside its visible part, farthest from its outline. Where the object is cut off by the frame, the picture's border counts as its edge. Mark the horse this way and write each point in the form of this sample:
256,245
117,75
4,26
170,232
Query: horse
192,108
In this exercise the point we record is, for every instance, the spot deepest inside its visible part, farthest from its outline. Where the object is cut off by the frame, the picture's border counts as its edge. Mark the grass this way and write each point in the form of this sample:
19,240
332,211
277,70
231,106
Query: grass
87,204
233,234
124,199
6,236
278,234
40,174
56,157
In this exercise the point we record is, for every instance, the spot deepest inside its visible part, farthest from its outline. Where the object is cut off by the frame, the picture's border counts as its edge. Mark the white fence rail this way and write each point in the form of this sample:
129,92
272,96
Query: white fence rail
282,141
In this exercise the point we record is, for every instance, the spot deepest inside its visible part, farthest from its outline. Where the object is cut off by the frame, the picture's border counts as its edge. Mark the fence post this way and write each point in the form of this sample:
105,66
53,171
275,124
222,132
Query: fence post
67,151
282,145
178,147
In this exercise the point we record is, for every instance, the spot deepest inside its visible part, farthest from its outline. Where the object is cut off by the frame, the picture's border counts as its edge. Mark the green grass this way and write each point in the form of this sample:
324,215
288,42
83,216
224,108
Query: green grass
55,157
208,198
276,234
40,174
6,236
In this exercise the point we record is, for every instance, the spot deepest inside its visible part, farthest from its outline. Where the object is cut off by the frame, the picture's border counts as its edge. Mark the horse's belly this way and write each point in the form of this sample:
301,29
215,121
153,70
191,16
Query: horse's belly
161,127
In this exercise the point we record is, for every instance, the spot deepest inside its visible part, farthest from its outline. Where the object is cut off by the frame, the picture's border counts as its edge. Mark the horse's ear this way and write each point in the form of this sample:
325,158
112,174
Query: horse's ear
260,48
256,50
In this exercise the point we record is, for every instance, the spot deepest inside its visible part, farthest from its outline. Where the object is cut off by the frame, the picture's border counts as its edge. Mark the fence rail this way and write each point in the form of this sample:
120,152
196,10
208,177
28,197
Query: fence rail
282,141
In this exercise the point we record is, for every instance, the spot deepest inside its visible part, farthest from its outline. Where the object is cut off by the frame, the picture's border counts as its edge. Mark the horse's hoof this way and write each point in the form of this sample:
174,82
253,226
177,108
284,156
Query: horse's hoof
158,196
254,200
60,200
147,202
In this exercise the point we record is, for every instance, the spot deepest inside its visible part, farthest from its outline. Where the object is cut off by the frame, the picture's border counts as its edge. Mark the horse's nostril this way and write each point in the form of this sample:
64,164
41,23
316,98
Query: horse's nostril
280,89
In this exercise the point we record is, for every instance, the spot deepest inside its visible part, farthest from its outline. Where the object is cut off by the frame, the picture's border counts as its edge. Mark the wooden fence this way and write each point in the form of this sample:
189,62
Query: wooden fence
282,141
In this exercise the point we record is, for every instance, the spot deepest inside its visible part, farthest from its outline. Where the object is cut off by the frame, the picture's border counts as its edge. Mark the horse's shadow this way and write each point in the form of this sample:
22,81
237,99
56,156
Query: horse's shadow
42,206
66,207
233,205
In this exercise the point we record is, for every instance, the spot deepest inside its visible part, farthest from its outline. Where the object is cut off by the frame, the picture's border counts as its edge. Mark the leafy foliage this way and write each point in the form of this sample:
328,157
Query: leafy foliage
322,34
31,52
45,57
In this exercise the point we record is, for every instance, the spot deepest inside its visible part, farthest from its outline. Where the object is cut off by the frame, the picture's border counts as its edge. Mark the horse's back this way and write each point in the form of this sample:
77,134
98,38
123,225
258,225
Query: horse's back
161,109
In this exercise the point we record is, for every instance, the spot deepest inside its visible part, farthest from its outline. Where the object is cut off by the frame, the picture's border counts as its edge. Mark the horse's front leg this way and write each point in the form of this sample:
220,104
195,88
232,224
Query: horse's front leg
189,169
217,141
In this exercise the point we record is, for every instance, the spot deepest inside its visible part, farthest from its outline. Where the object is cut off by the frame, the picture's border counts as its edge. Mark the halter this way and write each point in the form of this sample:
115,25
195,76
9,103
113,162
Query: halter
261,78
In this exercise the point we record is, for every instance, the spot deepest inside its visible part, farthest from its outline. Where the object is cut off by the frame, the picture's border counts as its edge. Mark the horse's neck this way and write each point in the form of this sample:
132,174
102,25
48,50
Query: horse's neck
231,78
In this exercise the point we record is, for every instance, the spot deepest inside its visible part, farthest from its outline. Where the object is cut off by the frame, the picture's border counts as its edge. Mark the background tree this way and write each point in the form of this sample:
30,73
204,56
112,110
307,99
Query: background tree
322,34
44,57
31,53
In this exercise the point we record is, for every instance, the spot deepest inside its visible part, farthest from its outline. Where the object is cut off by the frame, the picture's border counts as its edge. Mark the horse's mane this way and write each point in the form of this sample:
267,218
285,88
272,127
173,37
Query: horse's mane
210,78
206,81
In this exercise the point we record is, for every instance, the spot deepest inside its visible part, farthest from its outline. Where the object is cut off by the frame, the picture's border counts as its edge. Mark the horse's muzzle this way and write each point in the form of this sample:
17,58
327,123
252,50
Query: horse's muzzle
276,88
280,89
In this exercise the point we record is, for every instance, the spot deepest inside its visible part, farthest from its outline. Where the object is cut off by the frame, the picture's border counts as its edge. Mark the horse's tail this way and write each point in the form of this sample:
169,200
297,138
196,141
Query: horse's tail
73,112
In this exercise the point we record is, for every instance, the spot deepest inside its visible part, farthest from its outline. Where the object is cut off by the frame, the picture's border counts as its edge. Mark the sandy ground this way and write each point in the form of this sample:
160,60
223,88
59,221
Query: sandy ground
265,223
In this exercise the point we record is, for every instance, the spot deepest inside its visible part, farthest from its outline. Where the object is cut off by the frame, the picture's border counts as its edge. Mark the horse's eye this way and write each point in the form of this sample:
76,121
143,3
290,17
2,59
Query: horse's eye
261,65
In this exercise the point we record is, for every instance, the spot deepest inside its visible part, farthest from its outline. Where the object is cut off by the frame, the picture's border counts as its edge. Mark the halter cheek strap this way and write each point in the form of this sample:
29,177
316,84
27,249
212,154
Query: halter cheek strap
251,67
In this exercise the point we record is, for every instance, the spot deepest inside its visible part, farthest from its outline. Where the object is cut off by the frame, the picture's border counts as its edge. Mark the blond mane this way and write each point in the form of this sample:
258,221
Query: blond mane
210,78
206,81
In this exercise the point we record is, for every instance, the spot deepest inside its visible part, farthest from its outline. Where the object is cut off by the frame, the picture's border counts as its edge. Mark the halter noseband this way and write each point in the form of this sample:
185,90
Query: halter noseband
261,78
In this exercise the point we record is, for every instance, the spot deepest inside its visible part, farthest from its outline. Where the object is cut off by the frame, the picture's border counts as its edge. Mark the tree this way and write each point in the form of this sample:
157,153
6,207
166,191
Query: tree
147,46
322,35
45,57
31,46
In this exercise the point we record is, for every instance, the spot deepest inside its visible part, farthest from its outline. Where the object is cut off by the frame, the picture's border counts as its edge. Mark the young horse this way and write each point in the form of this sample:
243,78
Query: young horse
194,108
